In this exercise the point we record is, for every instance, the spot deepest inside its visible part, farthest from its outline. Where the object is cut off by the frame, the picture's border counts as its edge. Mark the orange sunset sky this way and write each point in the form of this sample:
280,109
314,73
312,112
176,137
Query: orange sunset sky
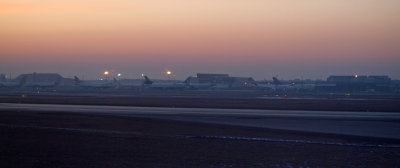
259,38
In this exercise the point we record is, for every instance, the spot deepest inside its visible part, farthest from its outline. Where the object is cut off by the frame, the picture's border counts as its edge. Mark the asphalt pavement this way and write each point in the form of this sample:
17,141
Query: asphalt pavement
373,124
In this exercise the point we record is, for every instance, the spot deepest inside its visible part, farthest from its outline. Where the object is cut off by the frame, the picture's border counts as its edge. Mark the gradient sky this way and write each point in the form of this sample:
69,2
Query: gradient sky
259,38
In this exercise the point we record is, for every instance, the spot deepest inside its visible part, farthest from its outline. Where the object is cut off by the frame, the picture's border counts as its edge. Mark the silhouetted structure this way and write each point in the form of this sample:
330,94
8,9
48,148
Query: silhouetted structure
221,81
39,77
358,79
356,83
3,78
43,80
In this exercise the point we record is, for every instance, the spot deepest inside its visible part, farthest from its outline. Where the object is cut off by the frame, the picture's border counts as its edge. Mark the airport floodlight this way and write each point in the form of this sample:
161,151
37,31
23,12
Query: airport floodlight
106,72
119,74
356,76
169,72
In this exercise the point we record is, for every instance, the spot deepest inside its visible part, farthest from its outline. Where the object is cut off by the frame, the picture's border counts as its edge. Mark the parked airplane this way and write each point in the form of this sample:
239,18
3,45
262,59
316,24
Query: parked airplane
101,84
276,84
197,85
130,83
163,85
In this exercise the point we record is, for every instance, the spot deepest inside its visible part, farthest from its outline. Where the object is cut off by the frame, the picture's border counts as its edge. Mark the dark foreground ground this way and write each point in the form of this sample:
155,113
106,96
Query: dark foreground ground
43,139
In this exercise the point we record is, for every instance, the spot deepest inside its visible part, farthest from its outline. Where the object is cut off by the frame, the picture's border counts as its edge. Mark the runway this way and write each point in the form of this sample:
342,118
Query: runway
373,124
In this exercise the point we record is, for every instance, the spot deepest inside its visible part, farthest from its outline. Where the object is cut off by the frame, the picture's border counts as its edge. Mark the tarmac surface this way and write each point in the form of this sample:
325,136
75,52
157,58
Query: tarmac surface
373,124
41,135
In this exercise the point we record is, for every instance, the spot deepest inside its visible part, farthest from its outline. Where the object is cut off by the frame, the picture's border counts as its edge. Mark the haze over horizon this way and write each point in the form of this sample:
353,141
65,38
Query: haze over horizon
258,38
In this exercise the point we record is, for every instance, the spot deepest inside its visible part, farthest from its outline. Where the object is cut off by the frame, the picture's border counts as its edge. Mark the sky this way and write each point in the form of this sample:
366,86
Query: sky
259,38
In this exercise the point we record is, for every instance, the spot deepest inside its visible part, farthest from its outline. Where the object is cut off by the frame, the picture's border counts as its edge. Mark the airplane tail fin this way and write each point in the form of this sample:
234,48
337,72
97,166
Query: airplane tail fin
253,82
276,81
77,80
147,81
187,81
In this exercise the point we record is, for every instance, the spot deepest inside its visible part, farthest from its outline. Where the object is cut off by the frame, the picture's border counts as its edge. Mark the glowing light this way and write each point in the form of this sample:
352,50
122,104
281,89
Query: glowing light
119,74
106,72
169,72
356,76
142,74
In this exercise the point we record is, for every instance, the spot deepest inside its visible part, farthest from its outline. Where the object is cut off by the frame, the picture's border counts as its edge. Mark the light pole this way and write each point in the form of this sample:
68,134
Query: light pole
119,76
106,73
169,74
